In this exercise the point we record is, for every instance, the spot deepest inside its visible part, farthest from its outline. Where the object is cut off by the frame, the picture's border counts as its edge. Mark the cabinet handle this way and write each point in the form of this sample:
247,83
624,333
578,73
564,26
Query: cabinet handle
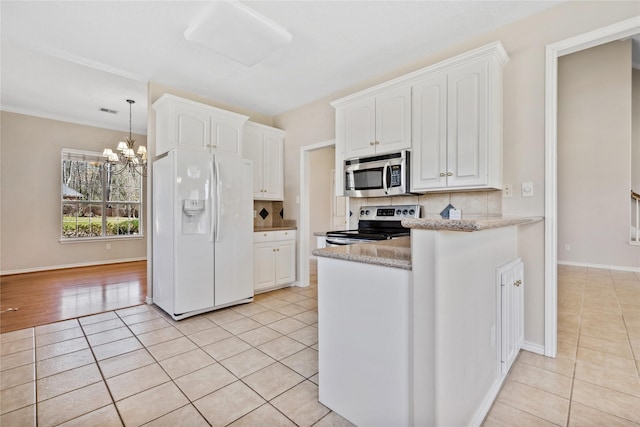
442,174
377,142
372,143
449,174
518,282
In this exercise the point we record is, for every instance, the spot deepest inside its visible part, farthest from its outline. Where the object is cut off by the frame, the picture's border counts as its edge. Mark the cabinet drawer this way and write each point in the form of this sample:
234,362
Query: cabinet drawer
284,235
269,236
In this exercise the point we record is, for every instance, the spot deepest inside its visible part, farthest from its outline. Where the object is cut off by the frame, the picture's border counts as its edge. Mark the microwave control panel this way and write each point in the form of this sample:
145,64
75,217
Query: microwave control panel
396,176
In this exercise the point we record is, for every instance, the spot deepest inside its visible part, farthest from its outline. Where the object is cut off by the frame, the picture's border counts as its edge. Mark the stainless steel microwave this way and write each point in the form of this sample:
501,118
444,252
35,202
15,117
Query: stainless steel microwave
377,176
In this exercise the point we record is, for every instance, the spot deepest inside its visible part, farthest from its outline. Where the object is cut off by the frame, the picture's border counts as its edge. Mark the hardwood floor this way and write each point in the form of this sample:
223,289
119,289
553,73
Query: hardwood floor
34,299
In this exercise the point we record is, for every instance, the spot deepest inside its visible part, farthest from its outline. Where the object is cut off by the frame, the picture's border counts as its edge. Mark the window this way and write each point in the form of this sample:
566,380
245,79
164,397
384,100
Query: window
98,203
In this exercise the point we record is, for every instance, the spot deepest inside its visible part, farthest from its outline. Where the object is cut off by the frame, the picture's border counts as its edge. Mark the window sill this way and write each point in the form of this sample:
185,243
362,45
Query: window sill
99,239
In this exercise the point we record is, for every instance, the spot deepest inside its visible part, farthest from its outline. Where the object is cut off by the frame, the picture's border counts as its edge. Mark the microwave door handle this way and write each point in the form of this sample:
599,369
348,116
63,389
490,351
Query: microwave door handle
385,184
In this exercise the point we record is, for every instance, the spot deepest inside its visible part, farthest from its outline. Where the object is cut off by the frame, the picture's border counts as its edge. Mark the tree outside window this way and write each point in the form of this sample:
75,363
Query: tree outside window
96,202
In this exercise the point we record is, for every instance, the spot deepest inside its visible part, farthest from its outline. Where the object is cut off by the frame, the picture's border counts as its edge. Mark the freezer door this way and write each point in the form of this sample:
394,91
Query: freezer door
194,281
233,229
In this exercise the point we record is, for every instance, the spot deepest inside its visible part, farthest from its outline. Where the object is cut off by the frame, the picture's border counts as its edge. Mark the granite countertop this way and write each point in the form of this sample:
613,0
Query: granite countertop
394,253
282,227
467,223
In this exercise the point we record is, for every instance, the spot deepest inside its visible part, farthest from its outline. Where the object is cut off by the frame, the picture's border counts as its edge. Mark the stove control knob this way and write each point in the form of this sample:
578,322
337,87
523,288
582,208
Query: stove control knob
367,212
404,212
398,212
411,212
362,212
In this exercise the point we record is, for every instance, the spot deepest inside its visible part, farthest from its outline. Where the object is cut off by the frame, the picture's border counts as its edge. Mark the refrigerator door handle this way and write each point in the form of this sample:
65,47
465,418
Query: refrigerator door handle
212,225
218,198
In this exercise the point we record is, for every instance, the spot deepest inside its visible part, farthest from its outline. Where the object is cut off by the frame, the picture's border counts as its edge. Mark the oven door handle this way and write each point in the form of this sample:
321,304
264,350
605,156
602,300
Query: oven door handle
385,184
334,242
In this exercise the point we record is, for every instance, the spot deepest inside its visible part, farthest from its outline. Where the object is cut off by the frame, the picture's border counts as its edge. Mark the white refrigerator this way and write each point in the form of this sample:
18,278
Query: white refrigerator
202,232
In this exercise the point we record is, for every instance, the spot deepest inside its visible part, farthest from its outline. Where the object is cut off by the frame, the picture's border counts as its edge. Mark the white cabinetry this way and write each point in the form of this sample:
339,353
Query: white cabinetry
377,124
457,124
511,292
265,146
449,114
274,258
182,123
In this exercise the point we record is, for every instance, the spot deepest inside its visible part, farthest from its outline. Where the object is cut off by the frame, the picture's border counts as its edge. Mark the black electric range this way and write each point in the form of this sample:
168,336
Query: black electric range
375,223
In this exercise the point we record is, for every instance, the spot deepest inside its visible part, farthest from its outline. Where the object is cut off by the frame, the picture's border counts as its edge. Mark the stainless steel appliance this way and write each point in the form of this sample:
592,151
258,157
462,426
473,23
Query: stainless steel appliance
377,176
375,223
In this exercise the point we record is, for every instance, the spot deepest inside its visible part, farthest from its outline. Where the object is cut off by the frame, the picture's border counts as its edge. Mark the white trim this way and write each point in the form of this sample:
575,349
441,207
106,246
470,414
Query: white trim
494,47
74,120
487,403
533,347
597,37
600,266
60,267
303,251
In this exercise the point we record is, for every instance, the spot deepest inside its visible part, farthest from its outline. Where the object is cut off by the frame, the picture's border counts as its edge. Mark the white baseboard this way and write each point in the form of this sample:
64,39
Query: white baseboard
484,409
533,347
148,300
602,266
60,267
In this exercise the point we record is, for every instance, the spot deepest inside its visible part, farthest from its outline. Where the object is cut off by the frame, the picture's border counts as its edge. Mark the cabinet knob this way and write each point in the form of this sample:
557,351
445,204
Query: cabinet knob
449,174
518,282
377,142
442,174
372,143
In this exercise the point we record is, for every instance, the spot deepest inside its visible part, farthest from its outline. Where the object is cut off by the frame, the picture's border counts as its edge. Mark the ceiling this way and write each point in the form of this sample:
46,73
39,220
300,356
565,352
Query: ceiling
67,59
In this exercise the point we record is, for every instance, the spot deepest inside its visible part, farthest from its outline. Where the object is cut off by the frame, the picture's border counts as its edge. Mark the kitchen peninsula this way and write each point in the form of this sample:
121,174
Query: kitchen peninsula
413,331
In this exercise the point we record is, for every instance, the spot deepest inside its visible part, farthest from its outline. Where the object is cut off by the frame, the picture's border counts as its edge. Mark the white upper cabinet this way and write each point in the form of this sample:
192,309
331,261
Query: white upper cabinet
377,124
457,124
182,123
264,145
449,114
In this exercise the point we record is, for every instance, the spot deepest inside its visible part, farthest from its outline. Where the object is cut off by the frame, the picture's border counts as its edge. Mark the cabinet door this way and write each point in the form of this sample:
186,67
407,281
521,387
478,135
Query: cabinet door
393,120
429,124
264,265
253,150
192,128
285,262
512,312
226,137
273,166
359,128
467,125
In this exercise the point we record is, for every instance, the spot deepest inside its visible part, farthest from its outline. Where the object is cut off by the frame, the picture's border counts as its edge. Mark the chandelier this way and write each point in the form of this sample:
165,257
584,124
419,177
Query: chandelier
125,158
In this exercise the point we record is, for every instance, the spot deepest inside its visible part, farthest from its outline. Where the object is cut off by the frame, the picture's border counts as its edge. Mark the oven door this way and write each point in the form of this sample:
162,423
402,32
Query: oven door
377,176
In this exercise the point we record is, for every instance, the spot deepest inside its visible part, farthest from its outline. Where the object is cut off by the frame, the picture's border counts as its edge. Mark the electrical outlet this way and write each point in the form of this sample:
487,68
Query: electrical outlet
567,248
255,213
527,189
108,246
507,191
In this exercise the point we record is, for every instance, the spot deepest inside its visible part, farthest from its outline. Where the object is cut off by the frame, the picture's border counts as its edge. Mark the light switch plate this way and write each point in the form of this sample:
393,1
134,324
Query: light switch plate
527,189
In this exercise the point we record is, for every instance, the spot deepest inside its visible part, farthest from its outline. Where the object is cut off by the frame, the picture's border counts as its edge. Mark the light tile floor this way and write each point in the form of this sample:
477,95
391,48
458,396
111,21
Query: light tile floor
249,365
594,380
256,365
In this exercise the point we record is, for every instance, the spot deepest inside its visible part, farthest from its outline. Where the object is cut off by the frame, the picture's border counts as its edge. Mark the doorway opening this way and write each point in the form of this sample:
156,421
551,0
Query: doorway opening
317,200
588,40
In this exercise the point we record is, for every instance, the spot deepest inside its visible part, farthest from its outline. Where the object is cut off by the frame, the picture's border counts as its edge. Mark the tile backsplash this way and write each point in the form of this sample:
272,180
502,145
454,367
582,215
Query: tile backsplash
269,214
470,202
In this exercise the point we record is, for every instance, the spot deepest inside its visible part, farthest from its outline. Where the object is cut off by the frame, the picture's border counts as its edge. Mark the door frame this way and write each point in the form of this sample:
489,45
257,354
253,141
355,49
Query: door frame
584,41
303,253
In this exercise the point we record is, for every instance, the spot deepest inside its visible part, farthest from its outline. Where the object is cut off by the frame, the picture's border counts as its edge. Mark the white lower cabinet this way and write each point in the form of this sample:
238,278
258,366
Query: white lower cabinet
511,308
274,259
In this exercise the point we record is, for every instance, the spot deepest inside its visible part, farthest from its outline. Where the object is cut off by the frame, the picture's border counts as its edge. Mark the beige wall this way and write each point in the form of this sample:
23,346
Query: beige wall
30,195
524,80
321,164
594,150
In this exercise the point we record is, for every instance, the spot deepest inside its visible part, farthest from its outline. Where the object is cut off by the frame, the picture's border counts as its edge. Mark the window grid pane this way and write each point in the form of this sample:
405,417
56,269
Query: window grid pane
85,214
